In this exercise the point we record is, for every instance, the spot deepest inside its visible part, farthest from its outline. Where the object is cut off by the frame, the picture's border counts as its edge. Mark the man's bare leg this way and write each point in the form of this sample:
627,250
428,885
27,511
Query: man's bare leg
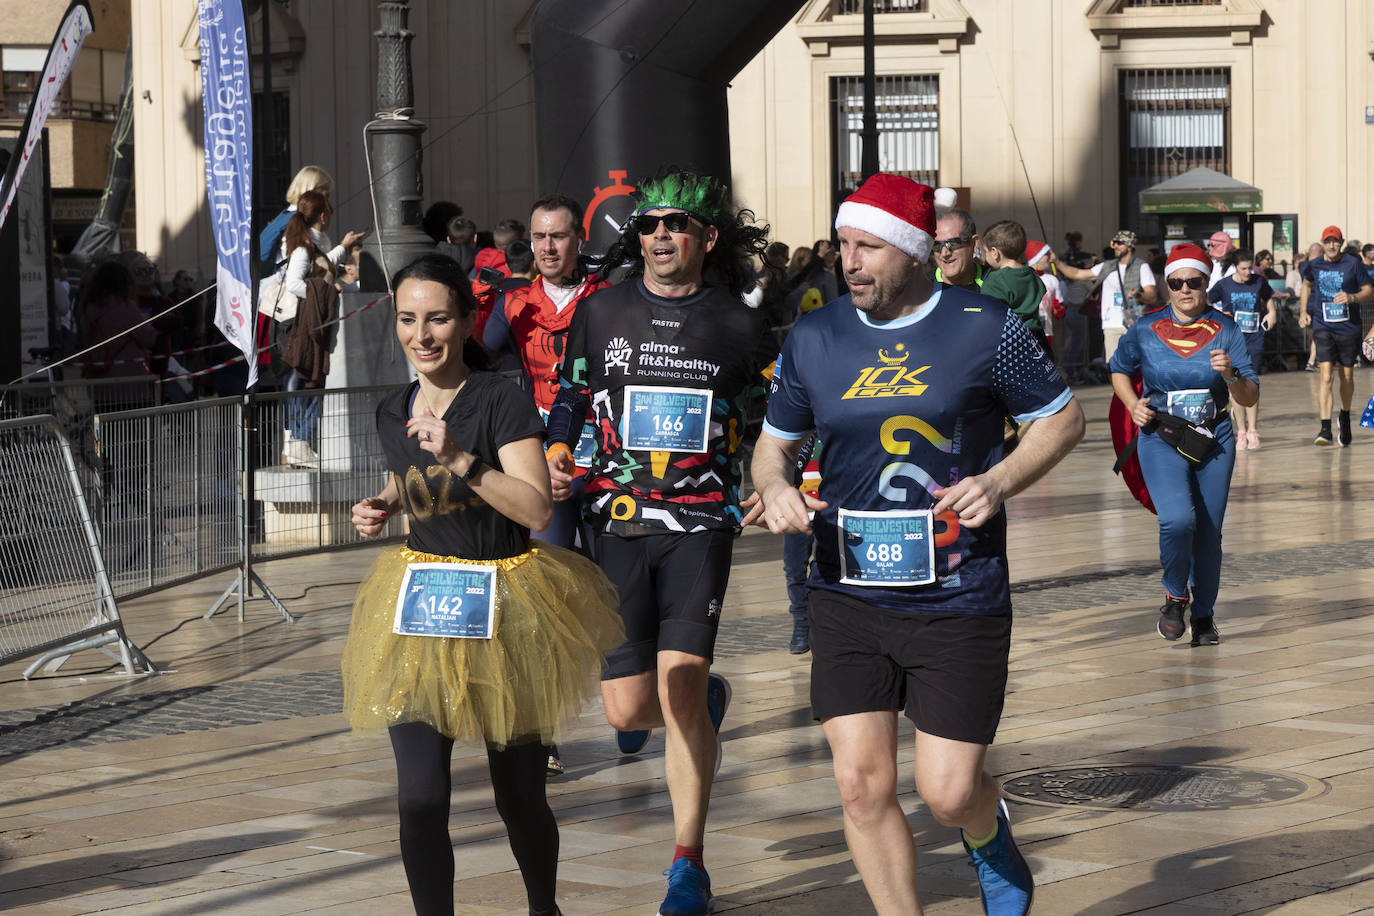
864,747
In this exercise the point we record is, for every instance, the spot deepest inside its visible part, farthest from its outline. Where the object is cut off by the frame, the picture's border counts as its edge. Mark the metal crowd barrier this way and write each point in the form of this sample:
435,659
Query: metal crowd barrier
55,596
190,490
316,453
169,486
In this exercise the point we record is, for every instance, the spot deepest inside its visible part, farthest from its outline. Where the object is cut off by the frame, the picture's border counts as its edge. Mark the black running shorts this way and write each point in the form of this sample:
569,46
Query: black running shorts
1337,348
672,589
949,671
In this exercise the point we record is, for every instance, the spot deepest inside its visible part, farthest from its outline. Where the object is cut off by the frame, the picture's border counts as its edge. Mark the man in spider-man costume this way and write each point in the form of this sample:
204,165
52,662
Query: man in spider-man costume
534,320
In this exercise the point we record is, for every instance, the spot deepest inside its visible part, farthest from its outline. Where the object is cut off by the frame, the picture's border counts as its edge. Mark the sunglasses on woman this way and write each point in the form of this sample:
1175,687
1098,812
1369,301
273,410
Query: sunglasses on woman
647,223
1177,283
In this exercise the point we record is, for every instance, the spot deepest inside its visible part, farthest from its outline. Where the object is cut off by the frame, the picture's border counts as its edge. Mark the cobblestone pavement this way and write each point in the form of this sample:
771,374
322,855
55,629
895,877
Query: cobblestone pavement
142,713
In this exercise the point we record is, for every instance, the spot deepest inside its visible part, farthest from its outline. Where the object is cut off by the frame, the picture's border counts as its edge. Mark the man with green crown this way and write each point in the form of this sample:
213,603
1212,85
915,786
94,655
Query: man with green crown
668,361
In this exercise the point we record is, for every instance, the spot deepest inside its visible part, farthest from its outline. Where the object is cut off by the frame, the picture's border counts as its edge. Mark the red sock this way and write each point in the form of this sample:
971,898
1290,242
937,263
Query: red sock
690,852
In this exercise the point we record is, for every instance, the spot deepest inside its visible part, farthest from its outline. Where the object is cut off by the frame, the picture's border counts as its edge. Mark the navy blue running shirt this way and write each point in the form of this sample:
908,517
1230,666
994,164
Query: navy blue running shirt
1240,300
1345,274
906,407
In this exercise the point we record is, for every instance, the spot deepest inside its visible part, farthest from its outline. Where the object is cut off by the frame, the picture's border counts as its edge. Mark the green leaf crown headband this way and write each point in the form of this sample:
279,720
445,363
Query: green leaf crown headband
700,195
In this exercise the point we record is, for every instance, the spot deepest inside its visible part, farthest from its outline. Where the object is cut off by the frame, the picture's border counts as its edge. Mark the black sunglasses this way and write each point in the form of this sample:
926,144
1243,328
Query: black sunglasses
647,223
959,241
1177,283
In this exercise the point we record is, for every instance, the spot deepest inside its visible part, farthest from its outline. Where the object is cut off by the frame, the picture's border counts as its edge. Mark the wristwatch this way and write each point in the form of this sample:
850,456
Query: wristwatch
473,469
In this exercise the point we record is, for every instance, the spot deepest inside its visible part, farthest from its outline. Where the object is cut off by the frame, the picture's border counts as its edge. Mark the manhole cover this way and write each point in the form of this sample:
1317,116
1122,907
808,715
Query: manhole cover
1156,787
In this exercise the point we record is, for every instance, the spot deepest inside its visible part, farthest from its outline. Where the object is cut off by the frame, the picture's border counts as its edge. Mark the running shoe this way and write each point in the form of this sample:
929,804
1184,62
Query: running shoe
1310,367
632,742
1343,425
1004,879
1205,632
1170,624
801,638
718,694
689,890
555,764
1323,434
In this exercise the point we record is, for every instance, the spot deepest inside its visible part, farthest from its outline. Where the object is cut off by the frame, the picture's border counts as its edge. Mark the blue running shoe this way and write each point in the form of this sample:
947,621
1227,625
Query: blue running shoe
689,890
1004,879
632,742
718,695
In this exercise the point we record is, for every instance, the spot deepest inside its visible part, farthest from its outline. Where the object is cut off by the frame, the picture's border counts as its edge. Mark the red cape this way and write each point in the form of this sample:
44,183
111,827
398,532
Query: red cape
1124,432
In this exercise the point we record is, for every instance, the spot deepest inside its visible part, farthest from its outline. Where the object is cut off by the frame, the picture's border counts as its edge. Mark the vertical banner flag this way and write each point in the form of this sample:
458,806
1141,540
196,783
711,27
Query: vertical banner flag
75,26
226,92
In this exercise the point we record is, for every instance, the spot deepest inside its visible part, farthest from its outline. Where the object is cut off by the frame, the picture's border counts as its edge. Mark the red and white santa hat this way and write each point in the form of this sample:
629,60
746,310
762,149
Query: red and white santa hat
1034,252
1187,255
897,210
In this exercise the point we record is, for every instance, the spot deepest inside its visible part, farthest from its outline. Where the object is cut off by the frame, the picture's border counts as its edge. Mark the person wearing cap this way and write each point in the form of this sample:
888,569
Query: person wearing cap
1127,284
1333,286
1221,249
1193,363
668,361
906,382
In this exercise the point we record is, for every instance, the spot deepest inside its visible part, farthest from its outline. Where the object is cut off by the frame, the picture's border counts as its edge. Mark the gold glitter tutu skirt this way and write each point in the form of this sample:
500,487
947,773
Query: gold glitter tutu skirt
556,616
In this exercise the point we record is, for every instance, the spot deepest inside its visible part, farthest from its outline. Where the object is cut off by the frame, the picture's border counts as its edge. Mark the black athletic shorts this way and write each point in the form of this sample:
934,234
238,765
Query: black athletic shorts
949,671
1337,348
672,588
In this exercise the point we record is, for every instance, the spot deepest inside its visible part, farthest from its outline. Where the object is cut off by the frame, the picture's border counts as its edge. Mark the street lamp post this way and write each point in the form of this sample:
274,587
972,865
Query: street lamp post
869,156
394,139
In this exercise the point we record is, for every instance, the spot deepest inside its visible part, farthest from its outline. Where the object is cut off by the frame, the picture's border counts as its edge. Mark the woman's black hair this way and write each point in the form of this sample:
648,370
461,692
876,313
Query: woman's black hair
440,268
109,280
728,264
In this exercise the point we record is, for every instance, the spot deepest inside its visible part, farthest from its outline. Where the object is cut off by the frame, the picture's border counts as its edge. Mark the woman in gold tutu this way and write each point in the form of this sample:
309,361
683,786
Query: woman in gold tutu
468,633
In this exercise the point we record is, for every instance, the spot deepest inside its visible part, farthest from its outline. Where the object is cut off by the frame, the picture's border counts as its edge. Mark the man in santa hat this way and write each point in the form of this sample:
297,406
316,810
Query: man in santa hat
906,382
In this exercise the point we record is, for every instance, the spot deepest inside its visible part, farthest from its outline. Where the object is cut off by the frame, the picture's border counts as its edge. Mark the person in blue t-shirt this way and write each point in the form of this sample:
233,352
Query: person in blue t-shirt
907,381
1244,295
1193,362
1333,286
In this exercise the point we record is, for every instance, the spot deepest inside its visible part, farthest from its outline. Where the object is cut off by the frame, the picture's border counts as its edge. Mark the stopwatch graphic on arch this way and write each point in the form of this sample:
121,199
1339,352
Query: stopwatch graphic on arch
607,208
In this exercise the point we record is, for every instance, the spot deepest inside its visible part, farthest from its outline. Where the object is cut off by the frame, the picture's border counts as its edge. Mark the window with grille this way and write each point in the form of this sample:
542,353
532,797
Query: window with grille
1171,121
272,175
850,7
908,114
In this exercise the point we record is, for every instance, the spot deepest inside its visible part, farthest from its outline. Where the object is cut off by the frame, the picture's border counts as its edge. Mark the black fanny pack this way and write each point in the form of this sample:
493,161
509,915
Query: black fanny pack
1193,441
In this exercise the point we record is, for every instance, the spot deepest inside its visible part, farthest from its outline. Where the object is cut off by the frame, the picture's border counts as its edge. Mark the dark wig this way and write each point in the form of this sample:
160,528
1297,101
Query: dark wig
728,264
440,268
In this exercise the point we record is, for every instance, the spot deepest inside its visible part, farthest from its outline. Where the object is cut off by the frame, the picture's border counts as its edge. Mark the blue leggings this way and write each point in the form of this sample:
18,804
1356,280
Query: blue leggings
568,529
1191,501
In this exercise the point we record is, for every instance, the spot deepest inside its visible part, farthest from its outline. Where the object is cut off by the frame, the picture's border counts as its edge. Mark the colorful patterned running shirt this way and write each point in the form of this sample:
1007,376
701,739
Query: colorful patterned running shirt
669,382
906,407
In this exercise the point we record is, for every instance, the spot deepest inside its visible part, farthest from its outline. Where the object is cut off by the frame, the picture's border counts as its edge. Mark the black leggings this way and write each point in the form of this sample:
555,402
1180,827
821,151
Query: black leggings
424,783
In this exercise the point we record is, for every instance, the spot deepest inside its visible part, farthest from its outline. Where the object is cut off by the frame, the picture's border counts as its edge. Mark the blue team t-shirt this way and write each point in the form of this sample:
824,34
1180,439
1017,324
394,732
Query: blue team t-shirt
1174,360
906,407
1346,274
1242,301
